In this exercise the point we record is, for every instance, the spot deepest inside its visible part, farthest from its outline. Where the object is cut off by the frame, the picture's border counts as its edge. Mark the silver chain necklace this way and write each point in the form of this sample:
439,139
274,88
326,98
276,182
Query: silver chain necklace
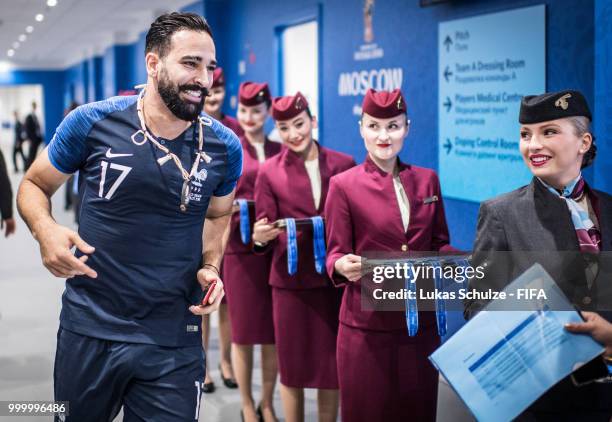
200,156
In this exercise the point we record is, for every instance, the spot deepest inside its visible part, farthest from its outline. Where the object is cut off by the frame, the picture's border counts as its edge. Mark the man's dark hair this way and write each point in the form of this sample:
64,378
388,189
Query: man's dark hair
160,33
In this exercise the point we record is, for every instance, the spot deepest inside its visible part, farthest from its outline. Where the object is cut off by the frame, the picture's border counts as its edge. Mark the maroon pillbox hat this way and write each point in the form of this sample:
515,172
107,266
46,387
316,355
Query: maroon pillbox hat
218,77
287,107
253,93
384,104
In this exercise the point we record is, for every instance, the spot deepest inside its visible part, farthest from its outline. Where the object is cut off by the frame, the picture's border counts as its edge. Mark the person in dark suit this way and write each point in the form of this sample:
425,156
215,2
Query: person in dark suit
558,221
7,222
32,130
18,144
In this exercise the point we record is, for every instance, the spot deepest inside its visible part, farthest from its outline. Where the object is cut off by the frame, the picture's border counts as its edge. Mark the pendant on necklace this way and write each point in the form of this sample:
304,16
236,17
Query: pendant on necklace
136,136
185,195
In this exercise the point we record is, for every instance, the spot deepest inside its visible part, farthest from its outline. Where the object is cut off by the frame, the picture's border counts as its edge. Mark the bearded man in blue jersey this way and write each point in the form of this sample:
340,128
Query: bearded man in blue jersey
158,185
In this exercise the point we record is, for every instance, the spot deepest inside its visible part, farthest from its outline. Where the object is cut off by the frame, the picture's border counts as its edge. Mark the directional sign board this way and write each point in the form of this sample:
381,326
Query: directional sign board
486,64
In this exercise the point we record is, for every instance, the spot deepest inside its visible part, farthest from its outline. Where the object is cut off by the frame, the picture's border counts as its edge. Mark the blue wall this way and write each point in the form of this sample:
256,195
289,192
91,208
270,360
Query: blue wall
409,36
74,84
603,94
108,73
140,68
125,67
195,7
98,75
86,81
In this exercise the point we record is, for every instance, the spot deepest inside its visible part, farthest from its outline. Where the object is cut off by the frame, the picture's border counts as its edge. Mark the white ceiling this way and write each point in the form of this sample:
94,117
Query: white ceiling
74,29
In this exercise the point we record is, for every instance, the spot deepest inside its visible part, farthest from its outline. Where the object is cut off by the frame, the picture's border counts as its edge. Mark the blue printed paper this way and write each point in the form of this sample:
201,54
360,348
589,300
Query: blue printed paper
501,361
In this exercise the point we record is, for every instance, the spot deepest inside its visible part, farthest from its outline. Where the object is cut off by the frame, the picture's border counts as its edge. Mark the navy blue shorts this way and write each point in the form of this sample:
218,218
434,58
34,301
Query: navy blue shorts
152,383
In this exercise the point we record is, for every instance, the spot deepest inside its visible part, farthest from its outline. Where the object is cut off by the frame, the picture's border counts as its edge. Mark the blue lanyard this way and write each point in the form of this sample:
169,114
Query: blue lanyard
292,249
440,304
245,224
412,318
318,237
412,312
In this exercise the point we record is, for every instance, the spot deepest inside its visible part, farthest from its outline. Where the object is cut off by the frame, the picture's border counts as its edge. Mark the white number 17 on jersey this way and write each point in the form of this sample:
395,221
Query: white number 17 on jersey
124,172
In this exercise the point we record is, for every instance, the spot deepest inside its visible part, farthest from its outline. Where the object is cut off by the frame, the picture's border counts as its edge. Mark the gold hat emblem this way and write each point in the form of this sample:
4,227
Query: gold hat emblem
399,103
298,103
261,93
562,101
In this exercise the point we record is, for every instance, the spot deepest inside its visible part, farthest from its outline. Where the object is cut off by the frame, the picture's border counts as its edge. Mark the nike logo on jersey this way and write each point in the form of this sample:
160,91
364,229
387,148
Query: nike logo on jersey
109,154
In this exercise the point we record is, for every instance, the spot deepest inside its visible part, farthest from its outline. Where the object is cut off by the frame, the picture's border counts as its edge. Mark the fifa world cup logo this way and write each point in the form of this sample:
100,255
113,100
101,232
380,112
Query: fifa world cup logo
368,30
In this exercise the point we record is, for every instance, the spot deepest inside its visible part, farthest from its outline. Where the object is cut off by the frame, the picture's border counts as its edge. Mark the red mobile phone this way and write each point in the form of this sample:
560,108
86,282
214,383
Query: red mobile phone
206,292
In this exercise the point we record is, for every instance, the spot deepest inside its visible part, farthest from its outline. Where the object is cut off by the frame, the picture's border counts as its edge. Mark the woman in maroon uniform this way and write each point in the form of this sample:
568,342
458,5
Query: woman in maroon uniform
294,184
212,107
246,274
214,103
383,205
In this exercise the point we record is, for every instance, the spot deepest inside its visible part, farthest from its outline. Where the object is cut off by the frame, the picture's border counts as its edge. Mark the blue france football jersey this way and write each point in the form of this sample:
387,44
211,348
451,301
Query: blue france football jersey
147,250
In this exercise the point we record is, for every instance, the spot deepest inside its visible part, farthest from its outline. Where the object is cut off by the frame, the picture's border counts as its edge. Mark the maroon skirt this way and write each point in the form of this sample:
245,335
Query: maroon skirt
386,375
249,298
306,328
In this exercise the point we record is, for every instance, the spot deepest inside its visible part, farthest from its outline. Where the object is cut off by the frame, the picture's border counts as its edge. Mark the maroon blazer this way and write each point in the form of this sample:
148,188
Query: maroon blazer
283,190
362,215
245,190
232,124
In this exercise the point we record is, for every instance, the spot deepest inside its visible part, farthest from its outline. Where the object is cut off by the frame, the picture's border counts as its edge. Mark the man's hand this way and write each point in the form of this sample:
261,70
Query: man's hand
349,266
56,243
205,277
8,225
264,232
599,328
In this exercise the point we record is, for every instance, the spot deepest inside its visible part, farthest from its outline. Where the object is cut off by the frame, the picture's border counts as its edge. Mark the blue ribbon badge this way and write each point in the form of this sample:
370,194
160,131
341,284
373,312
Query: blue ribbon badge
245,223
292,249
440,303
318,229
412,312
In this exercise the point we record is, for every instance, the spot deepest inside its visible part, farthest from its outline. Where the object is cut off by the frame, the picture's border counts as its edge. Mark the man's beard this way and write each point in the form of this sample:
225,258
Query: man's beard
170,94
